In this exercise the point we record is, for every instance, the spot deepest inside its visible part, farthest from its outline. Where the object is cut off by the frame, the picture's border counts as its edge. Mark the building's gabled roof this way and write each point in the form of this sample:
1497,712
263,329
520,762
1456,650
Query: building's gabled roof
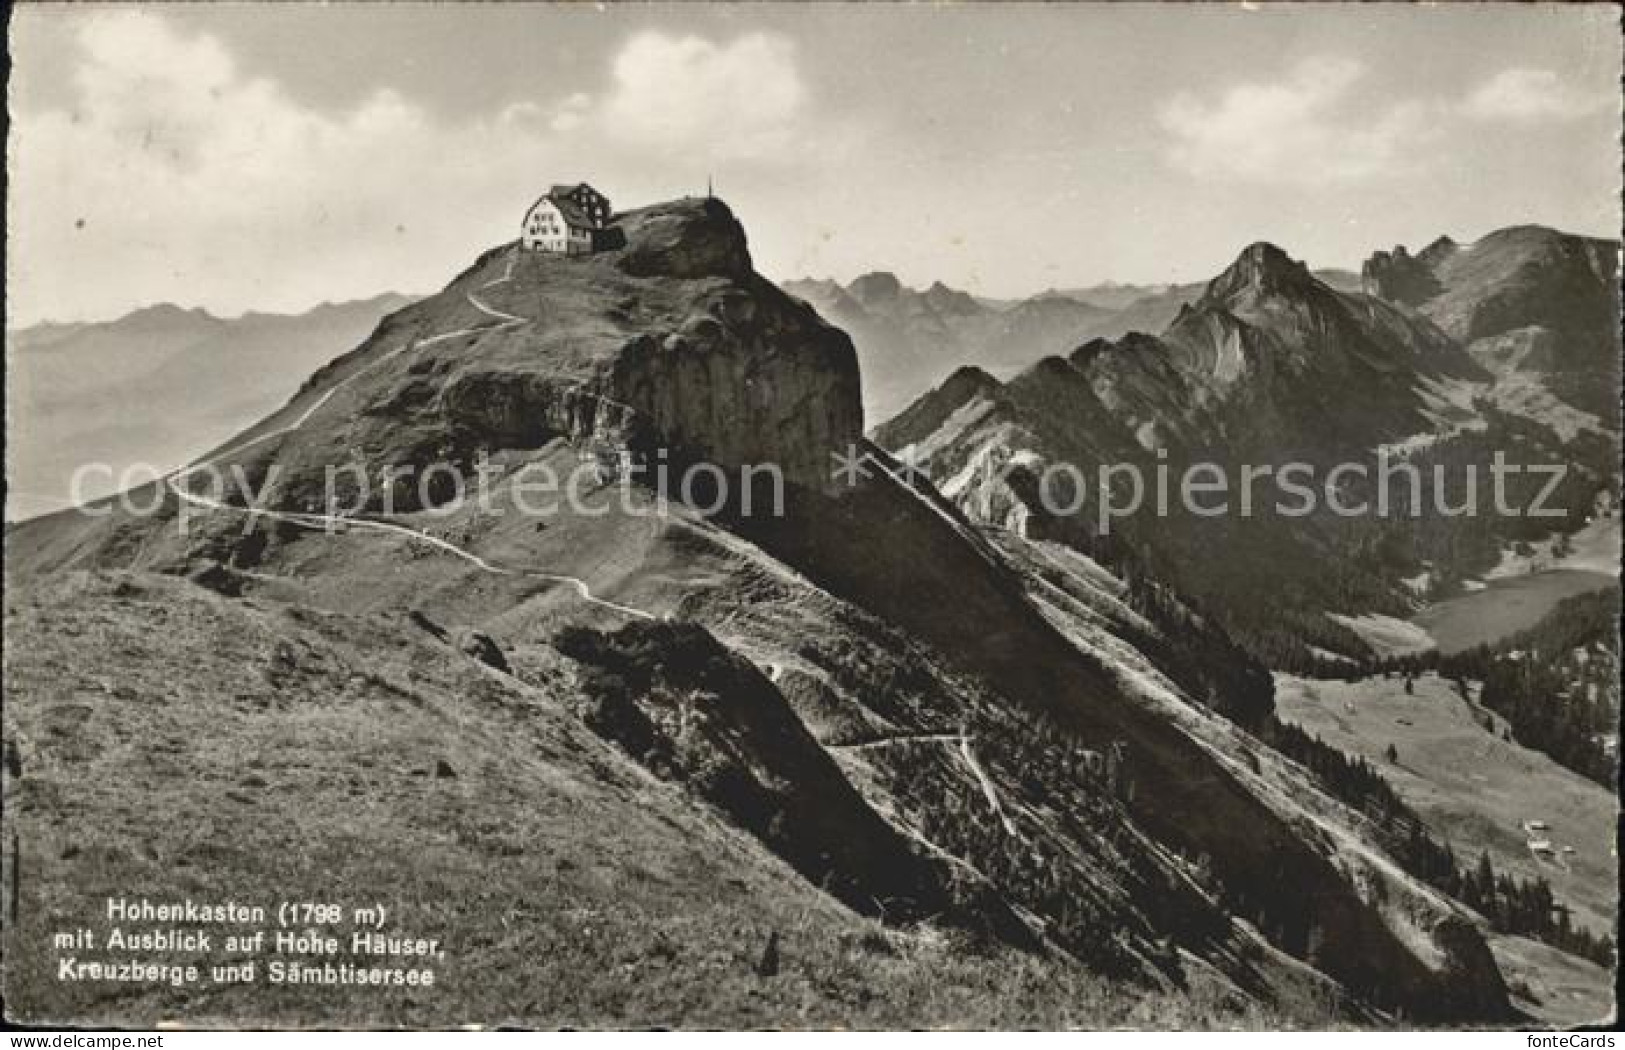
576,217
560,196
573,213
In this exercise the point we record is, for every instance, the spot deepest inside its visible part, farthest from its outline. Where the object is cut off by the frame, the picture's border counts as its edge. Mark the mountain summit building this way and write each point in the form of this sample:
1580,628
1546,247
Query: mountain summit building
566,220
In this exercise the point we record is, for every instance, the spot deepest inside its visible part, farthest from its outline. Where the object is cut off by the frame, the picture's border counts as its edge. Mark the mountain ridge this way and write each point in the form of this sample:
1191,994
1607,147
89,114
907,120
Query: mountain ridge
1267,365
1055,746
1530,302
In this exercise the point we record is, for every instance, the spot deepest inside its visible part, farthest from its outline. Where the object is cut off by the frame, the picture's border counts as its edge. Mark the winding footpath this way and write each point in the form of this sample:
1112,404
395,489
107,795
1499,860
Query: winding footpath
962,740
176,482
903,738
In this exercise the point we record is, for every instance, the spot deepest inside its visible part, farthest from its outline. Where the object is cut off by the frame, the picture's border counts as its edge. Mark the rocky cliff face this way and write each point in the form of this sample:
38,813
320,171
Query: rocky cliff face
1399,278
1525,300
1261,269
1272,360
1268,365
1512,278
667,341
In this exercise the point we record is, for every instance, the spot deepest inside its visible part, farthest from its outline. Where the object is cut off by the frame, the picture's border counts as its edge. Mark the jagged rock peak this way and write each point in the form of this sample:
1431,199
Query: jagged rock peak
1260,268
967,381
1097,347
944,299
692,237
1053,365
1441,248
926,415
1401,277
876,287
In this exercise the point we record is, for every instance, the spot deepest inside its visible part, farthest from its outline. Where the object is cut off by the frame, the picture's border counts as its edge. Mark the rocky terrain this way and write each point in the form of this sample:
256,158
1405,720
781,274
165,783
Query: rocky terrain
1267,359
1269,365
1530,303
952,766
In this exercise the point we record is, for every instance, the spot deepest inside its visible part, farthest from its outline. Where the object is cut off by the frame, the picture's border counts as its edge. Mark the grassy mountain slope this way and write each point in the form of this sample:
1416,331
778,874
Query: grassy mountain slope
1476,789
1003,736
357,758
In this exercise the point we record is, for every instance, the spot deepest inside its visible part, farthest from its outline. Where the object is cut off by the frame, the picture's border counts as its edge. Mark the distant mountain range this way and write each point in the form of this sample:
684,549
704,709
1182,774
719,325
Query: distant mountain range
155,386
148,386
910,340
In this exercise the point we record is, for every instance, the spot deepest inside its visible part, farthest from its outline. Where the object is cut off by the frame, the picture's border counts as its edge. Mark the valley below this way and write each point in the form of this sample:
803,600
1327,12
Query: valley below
1519,592
1480,792
1504,607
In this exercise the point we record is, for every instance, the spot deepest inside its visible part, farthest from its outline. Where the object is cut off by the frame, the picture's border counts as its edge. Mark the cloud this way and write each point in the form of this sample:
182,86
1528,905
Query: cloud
173,175
1307,129
1529,95
735,101
572,112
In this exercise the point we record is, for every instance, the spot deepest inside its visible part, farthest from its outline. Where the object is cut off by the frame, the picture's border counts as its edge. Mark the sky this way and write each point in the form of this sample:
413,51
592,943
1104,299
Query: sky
271,157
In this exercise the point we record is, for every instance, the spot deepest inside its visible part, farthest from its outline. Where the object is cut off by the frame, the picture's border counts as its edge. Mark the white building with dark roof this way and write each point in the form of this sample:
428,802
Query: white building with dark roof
565,220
